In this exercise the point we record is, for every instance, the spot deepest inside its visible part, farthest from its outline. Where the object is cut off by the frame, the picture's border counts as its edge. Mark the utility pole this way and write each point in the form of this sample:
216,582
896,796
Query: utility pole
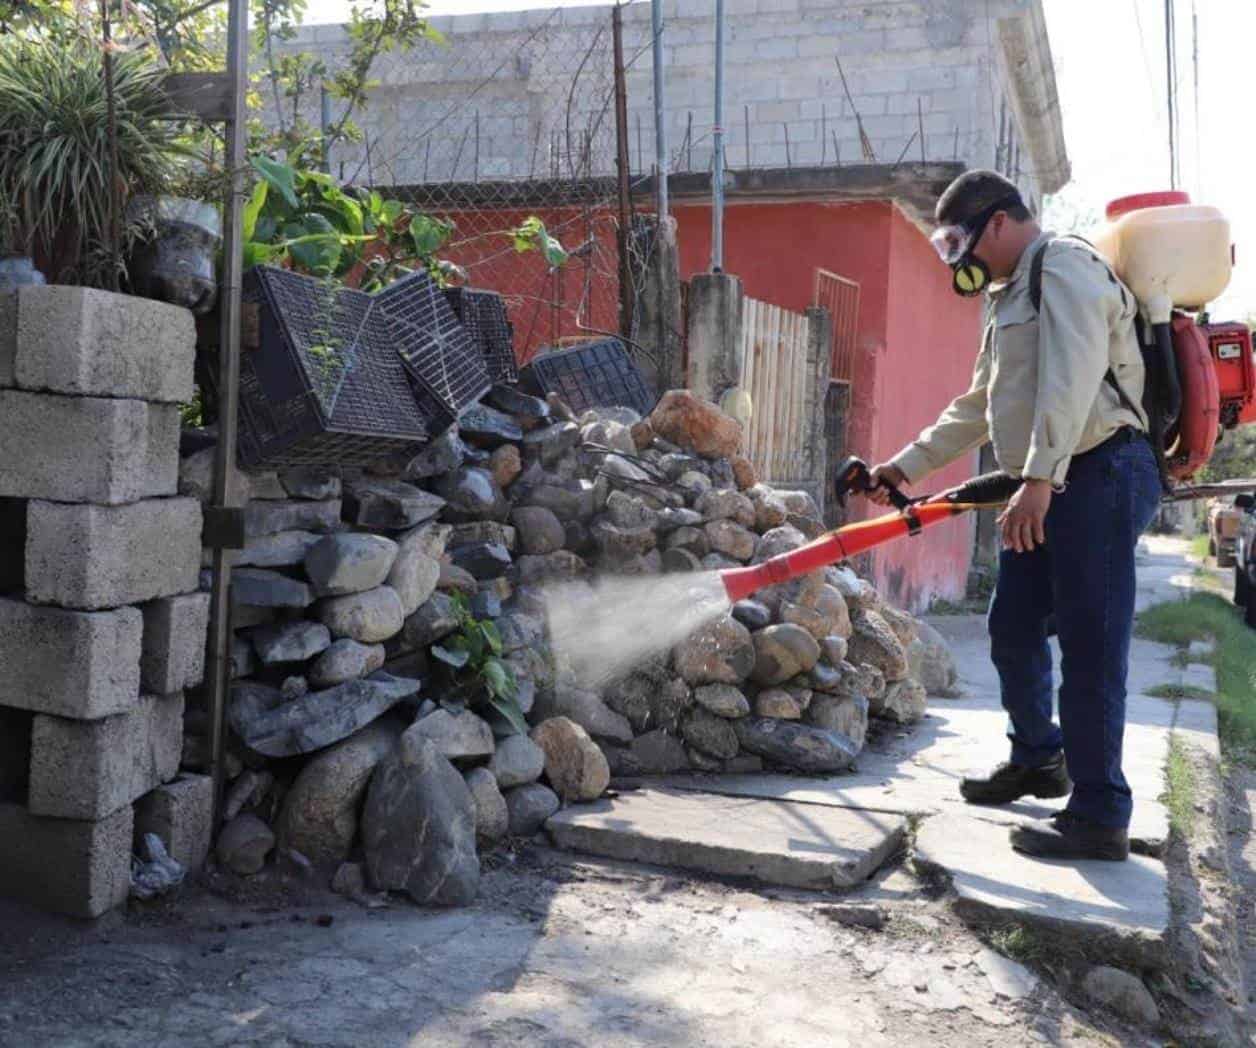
660,126
717,166
626,293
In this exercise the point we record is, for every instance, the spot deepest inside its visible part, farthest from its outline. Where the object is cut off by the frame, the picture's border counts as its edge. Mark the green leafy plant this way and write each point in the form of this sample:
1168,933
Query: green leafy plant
478,676
55,170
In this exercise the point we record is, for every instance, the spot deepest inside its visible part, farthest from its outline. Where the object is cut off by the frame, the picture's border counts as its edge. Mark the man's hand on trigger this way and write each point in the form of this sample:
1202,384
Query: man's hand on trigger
888,474
1023,522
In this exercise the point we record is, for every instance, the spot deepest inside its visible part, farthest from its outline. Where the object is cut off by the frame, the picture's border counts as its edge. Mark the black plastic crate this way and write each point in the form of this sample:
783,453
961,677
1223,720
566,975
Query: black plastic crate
590,375
483,314
439,353
303,404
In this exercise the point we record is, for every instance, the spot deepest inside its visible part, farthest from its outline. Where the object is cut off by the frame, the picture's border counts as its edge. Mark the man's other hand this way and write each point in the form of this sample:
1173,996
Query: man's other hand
1023,522
881,475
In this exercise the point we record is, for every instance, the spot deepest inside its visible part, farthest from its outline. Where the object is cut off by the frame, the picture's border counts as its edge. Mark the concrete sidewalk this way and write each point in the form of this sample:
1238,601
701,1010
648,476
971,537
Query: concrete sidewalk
916,774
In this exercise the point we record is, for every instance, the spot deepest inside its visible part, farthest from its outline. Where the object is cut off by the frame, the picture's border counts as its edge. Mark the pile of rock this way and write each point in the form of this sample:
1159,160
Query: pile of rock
346,750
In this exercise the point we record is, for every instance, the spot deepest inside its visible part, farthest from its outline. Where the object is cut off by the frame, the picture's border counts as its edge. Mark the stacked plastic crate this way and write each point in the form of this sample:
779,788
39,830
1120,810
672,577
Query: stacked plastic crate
102,626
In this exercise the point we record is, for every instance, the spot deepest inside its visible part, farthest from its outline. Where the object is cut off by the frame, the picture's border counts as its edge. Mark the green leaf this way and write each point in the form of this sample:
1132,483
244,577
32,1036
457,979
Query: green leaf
429,234
500,678
258,254
254,208
450,656
492,635
509,709
280,176
313,244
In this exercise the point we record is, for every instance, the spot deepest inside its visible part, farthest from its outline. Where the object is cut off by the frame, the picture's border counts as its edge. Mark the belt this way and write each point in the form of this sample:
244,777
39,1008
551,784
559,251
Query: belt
1124,435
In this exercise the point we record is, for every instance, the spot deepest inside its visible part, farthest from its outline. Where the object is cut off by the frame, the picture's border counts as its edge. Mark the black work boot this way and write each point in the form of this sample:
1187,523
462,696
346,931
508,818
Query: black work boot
1009,782
1068,836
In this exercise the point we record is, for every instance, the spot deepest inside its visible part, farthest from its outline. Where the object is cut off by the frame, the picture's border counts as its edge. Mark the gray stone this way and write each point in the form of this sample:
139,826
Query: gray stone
903,702
1123,993
345,660
659,753
75,664
264,484
443,455
196,478
416,570
550,443
510,400
679,561
608,433
487,427
540,531
722,699
267,518
517,761
650,700
505,464
901,624
721,504
712,735
519,630
776,541
376,502
872,641
691,540
801,747
834,648
181,813
846,714
418,826
929,660
735,837
319,817
71,866
719,653
566,503
719,562
486,605
472,494
436,618
484,560
459,737
89,557
704,762
776,702
92,343
89,769
586,709
693,484
630,511
552,567
368,617
782,652
348,563
243,661
294,687
87,449
618,542
282,549
859,594
290,641
731,539
310,482
529,807
826,677
244,844
492,819
671,518
576,768
275,728
263,588
770,510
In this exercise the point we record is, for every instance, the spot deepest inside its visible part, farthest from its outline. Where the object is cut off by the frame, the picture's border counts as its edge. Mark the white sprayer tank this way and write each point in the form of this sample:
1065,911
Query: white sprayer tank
1168,251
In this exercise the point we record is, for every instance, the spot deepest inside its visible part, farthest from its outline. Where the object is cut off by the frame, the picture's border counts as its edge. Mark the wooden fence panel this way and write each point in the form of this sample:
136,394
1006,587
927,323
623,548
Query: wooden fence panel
775,374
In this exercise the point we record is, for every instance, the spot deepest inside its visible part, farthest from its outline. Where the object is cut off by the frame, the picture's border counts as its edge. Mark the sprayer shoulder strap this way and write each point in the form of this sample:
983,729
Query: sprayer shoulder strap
1035,296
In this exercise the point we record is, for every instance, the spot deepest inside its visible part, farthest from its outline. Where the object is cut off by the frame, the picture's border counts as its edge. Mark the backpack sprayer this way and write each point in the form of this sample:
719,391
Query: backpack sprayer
911,516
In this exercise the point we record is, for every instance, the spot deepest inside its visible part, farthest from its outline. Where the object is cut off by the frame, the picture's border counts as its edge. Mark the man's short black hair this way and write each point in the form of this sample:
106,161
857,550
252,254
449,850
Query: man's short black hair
972,193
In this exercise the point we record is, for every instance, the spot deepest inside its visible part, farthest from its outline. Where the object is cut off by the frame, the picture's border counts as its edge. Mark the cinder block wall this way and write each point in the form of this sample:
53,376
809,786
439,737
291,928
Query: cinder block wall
102,626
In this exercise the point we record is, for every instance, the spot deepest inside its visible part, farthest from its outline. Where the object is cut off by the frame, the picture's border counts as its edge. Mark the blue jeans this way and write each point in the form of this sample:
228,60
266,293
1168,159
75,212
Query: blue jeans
1084,577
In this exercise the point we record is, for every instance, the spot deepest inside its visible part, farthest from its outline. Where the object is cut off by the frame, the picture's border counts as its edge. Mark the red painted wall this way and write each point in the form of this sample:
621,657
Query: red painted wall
915,348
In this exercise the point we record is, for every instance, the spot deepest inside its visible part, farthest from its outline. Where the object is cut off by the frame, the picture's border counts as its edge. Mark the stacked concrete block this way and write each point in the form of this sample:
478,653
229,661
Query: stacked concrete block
101,624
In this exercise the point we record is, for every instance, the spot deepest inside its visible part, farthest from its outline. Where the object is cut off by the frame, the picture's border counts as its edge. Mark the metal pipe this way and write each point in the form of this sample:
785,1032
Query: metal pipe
660,126
324,99
626,295
717,132
219,669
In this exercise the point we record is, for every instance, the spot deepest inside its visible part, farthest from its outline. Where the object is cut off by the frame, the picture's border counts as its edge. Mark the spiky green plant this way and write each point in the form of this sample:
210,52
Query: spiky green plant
54,150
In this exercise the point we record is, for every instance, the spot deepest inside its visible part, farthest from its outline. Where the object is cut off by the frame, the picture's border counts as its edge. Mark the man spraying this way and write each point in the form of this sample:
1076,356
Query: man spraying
1056,390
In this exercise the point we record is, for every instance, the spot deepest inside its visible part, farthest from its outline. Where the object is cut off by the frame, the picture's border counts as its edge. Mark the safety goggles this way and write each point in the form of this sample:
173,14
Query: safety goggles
954,242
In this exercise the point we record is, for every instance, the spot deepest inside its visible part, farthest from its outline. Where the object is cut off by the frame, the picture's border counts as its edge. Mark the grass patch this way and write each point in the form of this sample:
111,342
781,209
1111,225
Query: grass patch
1206,616
1199,546
1019,943
1180,791
1179,691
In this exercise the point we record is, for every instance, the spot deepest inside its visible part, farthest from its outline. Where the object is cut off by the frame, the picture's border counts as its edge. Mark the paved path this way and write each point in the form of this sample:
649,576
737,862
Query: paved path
916,773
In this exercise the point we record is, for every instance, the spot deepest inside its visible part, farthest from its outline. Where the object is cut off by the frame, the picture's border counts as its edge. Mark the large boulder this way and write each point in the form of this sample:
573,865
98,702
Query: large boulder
730,538
714,736
517,761
275,726
447,452
658,752
289,641
460,737
369,617
770,510
540,531
345,660
376,502
901,623
929,660
416,570
349,563
472,494
575,766
586,709
722,699
903,702
783,651
777,702
319,817
846,714
244,844
723,504
630,511
492,819
695,425
721,652
436,618
529,806
504,465
872,641
791,744
418,826
649,700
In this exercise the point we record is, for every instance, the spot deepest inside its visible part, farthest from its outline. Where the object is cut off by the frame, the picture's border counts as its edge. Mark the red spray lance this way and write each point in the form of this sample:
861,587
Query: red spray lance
911,516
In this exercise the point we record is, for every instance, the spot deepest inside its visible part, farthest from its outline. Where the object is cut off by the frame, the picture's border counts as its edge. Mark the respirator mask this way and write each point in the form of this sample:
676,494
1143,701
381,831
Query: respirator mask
954,244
